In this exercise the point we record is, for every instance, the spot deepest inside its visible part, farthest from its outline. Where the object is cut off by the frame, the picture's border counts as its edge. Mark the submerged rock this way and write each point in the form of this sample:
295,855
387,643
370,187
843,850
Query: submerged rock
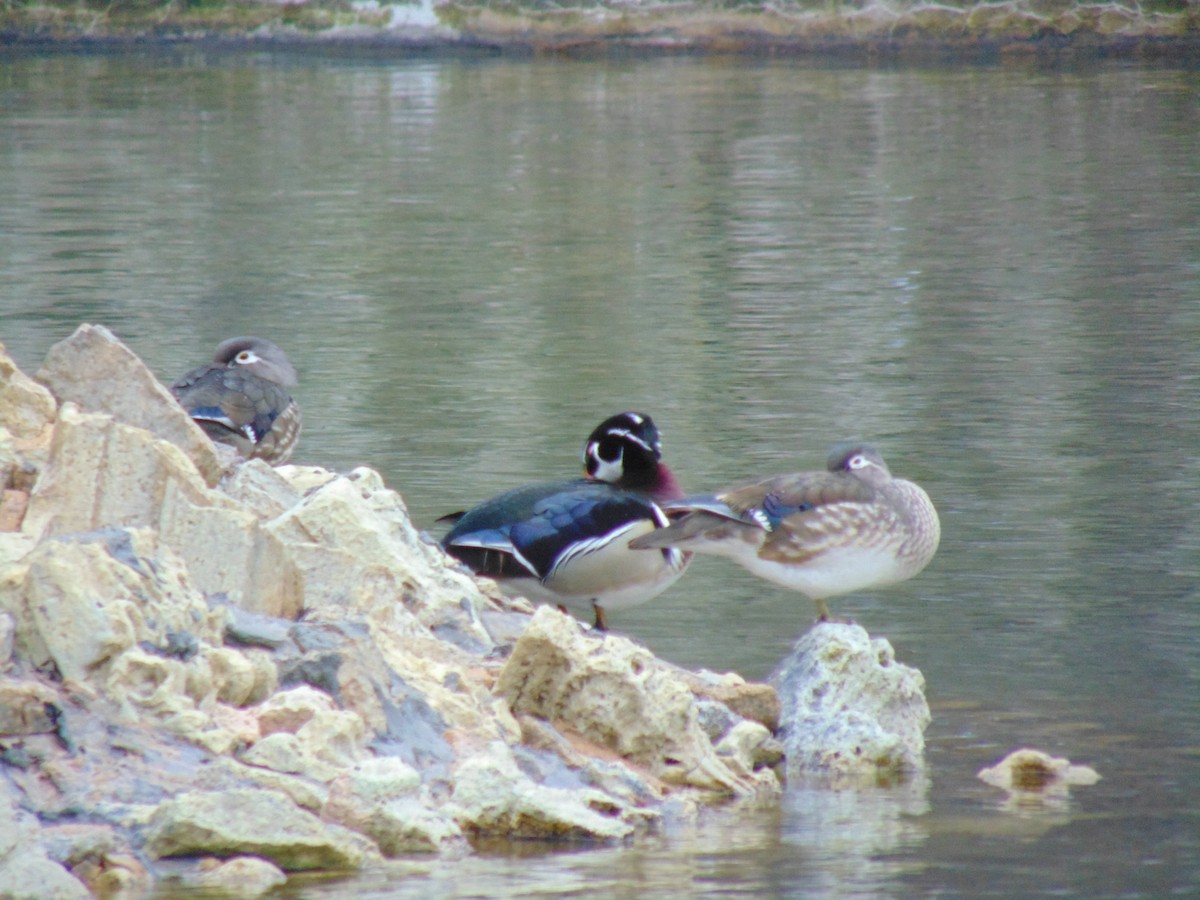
160,684
242,876
850,711
1033,772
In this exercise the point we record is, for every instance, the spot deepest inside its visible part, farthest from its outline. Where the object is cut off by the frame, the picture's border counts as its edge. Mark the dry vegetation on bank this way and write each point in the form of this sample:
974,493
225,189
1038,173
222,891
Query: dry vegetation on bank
1158,27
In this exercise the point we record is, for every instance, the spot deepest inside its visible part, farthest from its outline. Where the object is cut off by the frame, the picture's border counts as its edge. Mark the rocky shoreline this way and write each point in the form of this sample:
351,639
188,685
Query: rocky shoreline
215,673
1169,28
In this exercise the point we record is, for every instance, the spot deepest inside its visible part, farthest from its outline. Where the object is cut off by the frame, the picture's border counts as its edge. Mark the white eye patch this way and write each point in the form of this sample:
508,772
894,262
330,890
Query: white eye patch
610,470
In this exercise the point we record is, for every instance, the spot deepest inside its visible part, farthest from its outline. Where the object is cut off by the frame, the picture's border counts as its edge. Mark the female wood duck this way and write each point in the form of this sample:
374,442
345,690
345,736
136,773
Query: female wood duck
850,528
566,542
241,399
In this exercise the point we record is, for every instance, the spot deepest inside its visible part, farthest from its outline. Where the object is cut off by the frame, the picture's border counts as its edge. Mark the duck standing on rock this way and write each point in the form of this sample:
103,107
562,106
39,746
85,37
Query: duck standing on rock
850,528
567,542
241,399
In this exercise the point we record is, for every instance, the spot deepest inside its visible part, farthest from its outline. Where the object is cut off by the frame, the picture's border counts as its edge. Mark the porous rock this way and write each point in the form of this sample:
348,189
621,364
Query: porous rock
493,796
849,710
566,758
13,505
357,548
115,609
253,822
748,747
158,678
102,471
329,742
378,798
83,599
263,488
615,693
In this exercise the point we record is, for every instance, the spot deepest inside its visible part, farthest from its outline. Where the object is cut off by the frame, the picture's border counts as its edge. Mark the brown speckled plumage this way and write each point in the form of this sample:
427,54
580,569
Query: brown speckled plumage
241,399
849,528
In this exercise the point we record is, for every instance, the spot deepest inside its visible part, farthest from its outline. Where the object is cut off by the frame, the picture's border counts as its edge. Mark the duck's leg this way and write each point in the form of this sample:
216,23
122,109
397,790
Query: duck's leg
822,609
601,619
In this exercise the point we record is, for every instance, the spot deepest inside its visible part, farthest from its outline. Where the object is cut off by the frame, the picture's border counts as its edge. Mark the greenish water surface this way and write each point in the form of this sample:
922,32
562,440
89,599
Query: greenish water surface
992,272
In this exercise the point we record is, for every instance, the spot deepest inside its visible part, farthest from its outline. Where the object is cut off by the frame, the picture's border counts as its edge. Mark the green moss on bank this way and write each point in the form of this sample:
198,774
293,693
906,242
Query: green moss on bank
728,25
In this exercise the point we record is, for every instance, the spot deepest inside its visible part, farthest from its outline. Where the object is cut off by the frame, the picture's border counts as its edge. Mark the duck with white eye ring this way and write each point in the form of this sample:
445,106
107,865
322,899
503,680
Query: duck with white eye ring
241,399
852,527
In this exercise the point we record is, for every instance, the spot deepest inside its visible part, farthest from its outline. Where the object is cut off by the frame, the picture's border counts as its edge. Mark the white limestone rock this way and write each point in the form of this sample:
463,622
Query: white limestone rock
397,729
26,407
257,823
849,709
492,796
114,609
26,872
242,876
225,772
103,473
378,798
261,488
748,747
14,545
98,855
8,631
329,742
29,874
357,548
616,694
27,412
291,709
98,373
81,600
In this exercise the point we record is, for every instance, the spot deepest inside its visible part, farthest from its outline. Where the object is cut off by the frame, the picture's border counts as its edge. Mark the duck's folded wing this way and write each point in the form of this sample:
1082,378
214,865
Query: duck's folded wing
754,510
576,523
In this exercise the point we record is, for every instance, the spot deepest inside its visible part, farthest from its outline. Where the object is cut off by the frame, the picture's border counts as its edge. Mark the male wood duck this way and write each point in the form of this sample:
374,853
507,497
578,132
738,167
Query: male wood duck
241,399
850,528
566,542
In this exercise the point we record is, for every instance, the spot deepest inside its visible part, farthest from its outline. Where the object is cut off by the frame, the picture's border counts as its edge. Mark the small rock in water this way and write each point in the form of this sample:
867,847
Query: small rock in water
849,709
1034,772
242,876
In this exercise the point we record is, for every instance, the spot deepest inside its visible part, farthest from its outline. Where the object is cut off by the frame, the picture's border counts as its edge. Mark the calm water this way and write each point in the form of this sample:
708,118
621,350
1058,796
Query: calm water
992,272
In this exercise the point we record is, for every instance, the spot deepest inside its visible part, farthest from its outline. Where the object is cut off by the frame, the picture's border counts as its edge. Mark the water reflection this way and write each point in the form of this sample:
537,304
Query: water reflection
992,273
